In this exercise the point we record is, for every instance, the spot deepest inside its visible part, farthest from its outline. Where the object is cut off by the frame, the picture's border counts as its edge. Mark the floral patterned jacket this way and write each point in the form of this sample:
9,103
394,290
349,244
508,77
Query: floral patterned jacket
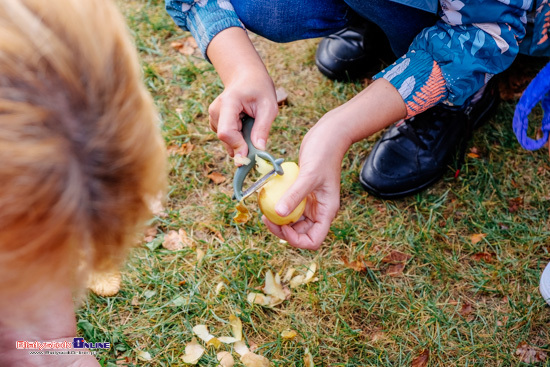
471,42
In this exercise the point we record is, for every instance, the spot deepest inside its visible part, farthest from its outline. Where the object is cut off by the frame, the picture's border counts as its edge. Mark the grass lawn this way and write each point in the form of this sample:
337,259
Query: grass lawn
467,294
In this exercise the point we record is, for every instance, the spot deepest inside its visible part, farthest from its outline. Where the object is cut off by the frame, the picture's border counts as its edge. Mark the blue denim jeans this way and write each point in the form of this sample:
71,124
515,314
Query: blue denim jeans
292,20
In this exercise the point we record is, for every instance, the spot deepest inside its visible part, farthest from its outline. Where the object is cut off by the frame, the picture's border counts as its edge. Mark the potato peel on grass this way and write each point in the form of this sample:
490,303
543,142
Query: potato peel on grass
275,292
248,358
193,352
225,359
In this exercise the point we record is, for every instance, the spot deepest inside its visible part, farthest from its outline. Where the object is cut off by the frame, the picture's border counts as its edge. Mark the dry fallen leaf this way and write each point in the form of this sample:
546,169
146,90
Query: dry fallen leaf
175,240
282,96
422,359
515,204
396,257
216,177
184,149
289,334
150,234
193,352
360,264
395,270
477,237
186,46
466,311
308,358
483,256
530,354
105,283
156,206
225,359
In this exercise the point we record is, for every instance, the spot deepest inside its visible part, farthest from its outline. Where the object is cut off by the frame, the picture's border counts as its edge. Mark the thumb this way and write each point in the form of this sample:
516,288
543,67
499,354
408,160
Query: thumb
262,124
299,190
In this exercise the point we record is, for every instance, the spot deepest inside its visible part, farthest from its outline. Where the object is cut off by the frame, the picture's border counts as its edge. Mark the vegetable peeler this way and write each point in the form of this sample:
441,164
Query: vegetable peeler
244,170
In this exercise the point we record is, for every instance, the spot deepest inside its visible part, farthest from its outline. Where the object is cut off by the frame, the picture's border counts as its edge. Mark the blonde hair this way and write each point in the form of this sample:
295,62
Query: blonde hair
80,147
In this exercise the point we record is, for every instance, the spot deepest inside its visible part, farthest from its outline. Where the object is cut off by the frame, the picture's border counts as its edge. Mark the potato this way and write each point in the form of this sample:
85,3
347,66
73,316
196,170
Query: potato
274,189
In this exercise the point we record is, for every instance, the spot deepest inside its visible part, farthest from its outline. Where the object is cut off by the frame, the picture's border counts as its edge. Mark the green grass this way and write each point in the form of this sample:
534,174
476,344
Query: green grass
346,318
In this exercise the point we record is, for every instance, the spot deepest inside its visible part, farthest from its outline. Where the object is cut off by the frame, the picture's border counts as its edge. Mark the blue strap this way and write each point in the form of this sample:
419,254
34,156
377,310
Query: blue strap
537,91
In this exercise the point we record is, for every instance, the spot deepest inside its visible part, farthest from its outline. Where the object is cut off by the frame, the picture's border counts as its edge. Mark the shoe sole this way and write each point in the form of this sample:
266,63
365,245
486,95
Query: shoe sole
545,284
401,194
397,195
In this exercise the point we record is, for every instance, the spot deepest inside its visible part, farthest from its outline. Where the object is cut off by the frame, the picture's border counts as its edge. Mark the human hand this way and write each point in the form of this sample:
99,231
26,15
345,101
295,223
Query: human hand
252,93
248,90
321,155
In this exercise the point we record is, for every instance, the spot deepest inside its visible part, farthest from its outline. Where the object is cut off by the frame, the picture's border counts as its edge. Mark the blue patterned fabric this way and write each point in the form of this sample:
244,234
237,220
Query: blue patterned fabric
447,62
203,18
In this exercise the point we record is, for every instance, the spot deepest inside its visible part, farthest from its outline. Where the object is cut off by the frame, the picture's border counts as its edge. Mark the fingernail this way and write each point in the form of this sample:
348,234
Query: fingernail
260,144
282,210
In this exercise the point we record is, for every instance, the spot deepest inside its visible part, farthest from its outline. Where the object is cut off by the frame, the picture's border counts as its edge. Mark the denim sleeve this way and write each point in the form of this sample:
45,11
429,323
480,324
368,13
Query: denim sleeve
450,61
203,18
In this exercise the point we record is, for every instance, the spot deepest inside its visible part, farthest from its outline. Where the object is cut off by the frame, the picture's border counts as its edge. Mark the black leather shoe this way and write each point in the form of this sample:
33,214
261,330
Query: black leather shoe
353,53
413,154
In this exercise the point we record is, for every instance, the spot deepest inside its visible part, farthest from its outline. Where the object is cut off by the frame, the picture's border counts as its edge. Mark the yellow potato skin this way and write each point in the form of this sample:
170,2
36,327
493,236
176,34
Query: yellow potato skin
270,194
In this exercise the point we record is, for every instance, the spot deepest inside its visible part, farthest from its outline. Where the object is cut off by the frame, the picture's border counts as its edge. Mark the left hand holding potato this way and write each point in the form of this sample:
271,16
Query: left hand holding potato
321,154
319,180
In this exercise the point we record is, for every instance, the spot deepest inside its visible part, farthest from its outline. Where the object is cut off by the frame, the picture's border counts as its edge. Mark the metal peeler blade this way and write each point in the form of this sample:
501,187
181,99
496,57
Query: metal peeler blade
243,171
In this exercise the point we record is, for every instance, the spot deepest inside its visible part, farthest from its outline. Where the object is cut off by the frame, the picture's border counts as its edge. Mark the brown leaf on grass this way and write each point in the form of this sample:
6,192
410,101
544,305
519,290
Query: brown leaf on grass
396,257
422,359
475,238
184,149
360,264
175,240
150,234
186,46
515,204
216,177
156,206
530,354
282,96
483,256
176,45
466,310
395,270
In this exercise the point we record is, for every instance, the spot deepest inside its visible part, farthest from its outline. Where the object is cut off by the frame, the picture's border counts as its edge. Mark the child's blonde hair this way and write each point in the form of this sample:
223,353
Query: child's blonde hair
80,147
